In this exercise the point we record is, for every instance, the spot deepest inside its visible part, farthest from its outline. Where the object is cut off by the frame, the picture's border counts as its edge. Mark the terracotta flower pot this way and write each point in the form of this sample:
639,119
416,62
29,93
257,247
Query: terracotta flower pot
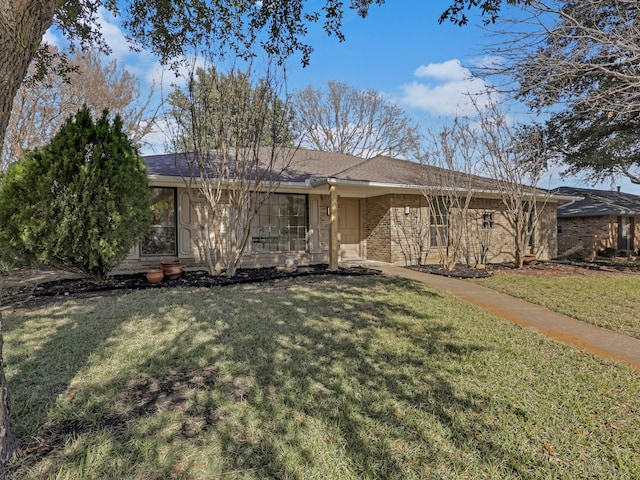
172,268
155,275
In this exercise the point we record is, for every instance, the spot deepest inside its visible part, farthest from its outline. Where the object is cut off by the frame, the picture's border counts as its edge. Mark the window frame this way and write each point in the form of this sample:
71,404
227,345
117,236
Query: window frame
438,224
175,228
626,224
488,220
267,242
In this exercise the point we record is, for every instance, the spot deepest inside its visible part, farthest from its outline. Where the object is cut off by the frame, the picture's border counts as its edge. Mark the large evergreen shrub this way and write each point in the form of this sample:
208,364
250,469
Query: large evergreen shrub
79,203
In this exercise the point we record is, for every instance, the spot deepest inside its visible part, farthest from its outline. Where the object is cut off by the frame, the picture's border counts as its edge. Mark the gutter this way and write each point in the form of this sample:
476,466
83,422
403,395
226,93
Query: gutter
309,184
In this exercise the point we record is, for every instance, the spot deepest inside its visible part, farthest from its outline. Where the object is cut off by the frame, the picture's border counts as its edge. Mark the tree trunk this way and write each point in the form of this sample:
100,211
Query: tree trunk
22,24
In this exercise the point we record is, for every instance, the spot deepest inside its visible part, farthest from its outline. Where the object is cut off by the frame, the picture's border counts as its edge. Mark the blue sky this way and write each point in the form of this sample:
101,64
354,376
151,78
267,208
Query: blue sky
399,50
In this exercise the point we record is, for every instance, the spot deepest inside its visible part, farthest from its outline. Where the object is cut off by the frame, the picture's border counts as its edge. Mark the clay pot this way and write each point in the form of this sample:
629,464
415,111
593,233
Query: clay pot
172,269
155,275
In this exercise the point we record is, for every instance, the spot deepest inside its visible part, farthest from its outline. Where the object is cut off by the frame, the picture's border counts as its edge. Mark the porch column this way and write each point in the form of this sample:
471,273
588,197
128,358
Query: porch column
334,247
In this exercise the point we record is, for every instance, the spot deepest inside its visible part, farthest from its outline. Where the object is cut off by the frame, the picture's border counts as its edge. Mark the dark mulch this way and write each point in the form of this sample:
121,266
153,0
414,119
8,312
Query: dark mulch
459,271
83,287
540,268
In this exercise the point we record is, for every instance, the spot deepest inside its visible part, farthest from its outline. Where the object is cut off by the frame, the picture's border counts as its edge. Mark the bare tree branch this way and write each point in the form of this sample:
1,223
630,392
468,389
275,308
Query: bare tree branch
42,106
220,128
345,120
580,60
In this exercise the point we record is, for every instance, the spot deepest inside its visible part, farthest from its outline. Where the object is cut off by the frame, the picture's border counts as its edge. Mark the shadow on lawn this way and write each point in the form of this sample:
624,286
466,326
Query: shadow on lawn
326,368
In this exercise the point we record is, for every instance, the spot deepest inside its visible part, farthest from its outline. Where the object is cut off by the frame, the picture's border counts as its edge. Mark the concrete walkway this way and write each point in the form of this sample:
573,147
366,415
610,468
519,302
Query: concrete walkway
587,337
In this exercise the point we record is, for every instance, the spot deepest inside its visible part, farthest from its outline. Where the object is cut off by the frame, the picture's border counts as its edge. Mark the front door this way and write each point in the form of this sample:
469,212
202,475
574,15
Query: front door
349,227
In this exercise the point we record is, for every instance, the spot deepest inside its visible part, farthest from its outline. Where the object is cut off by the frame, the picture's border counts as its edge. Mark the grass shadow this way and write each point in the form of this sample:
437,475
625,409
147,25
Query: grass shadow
318,377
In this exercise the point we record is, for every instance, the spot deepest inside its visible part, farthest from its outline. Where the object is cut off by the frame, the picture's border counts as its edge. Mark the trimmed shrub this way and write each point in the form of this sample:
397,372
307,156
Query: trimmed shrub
80,202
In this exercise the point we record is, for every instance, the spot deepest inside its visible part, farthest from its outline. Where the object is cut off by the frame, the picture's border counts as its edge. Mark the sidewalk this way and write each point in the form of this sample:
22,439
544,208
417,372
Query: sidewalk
595,340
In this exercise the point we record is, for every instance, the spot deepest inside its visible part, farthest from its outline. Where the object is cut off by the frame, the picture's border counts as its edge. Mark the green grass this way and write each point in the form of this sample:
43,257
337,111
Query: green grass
345,378
608,300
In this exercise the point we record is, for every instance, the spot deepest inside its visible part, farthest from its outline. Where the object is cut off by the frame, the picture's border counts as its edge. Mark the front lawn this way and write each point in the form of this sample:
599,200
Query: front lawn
322,377
608,300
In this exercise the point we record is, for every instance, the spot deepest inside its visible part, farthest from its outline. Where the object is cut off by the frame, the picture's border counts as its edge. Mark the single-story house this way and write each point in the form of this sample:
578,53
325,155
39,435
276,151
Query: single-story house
597,220
332,207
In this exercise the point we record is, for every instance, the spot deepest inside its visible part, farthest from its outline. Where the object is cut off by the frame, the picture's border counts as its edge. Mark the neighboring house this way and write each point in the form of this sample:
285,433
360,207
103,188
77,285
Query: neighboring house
597,220
382,215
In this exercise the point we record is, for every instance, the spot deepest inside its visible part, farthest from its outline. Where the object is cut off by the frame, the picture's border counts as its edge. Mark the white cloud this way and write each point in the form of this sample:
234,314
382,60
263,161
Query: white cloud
446,89
50,38
451,70
158,140
113,35
162,75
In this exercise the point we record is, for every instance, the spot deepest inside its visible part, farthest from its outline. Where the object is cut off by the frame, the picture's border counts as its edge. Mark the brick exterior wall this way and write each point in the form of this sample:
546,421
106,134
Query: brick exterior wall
377,228
388,234
584,236
395,237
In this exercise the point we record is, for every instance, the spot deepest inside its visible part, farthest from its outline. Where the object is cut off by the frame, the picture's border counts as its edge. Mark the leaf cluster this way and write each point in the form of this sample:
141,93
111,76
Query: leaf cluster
219,110
80,202
170,28
489,9
578,60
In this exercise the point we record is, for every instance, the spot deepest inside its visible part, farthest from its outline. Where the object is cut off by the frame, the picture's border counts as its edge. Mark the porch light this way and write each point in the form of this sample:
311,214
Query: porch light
406,210
328,211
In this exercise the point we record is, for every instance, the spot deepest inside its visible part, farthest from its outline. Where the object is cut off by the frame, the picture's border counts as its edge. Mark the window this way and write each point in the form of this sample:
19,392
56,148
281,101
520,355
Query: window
281,224
438,224
161,239
532,216
487,220
626,226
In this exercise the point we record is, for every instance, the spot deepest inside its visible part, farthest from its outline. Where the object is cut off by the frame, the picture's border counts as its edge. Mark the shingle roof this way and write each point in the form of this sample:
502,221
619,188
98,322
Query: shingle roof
316,166
593,203
394,171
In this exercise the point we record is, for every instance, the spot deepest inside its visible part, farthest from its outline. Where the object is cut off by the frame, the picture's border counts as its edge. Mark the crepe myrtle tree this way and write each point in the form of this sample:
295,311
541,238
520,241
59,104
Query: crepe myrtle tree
447,184
515,156
232,131
80,202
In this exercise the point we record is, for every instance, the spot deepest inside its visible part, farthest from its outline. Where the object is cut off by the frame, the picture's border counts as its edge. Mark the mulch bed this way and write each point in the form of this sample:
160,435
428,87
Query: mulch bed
539,268
83,287
459,271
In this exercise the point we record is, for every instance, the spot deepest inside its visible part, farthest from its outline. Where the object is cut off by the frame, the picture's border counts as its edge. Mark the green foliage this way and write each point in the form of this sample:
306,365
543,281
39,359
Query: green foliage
78,203
596,145
582,69
170,28
489,9
218,110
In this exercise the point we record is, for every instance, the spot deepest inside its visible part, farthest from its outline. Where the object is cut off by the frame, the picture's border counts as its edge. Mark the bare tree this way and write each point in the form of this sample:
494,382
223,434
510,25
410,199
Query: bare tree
514,156
42,106
580,60
363,123
230,178
411,231
448,184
